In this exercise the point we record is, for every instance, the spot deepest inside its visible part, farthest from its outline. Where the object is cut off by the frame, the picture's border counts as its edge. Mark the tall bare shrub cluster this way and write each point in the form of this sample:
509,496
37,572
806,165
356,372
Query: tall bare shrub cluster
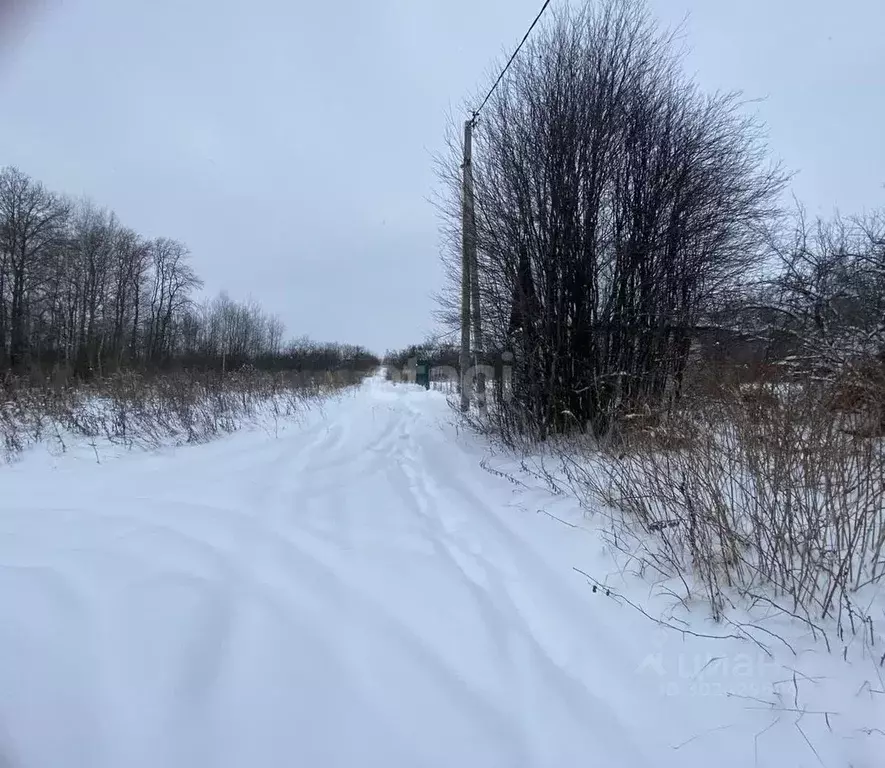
614,202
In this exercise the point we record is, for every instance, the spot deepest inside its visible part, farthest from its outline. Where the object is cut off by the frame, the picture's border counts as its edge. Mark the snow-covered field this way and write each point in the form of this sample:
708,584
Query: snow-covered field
355,590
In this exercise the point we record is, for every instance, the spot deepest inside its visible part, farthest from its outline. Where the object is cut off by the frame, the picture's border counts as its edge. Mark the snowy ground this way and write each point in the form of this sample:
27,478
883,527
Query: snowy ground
356,591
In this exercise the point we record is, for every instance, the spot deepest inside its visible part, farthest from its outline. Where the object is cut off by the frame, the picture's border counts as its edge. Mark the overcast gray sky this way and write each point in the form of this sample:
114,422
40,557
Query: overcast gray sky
289,143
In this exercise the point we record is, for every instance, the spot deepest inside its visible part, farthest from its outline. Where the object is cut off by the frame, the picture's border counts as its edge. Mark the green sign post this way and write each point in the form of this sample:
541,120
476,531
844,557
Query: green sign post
422,373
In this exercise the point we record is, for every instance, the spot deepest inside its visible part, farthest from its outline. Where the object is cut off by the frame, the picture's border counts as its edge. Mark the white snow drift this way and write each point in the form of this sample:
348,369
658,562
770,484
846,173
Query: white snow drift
357,591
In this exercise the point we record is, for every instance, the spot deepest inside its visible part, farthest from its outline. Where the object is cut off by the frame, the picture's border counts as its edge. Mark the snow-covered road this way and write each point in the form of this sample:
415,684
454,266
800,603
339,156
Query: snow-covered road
354,591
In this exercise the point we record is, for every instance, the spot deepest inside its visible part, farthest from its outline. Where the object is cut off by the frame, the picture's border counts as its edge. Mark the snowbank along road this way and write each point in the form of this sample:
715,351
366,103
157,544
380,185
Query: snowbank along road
352,591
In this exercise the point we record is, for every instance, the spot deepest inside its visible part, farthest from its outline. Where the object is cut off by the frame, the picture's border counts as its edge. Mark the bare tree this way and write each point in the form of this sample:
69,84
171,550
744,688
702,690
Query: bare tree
31,222
93,240
829,296
613,201
173,280
131,261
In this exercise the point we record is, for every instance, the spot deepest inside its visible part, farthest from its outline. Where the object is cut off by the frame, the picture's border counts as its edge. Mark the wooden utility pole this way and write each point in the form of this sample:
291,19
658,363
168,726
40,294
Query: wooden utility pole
469,267
468,246
476,315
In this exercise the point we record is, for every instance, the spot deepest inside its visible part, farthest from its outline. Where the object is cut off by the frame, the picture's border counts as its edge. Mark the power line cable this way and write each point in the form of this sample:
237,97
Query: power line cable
507,66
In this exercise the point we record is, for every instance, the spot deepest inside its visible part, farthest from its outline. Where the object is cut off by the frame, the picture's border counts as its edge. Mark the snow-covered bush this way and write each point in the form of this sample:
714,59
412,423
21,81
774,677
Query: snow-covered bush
771,494
133,409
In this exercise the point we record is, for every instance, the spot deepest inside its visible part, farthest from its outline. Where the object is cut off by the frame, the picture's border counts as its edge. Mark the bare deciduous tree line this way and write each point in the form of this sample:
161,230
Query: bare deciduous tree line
83,294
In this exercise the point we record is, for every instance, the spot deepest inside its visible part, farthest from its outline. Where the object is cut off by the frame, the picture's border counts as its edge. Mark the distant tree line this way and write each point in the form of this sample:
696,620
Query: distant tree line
83,294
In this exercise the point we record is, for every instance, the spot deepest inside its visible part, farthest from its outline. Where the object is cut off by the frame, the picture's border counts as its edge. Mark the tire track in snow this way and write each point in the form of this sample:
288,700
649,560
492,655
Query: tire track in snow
494,593
272,600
